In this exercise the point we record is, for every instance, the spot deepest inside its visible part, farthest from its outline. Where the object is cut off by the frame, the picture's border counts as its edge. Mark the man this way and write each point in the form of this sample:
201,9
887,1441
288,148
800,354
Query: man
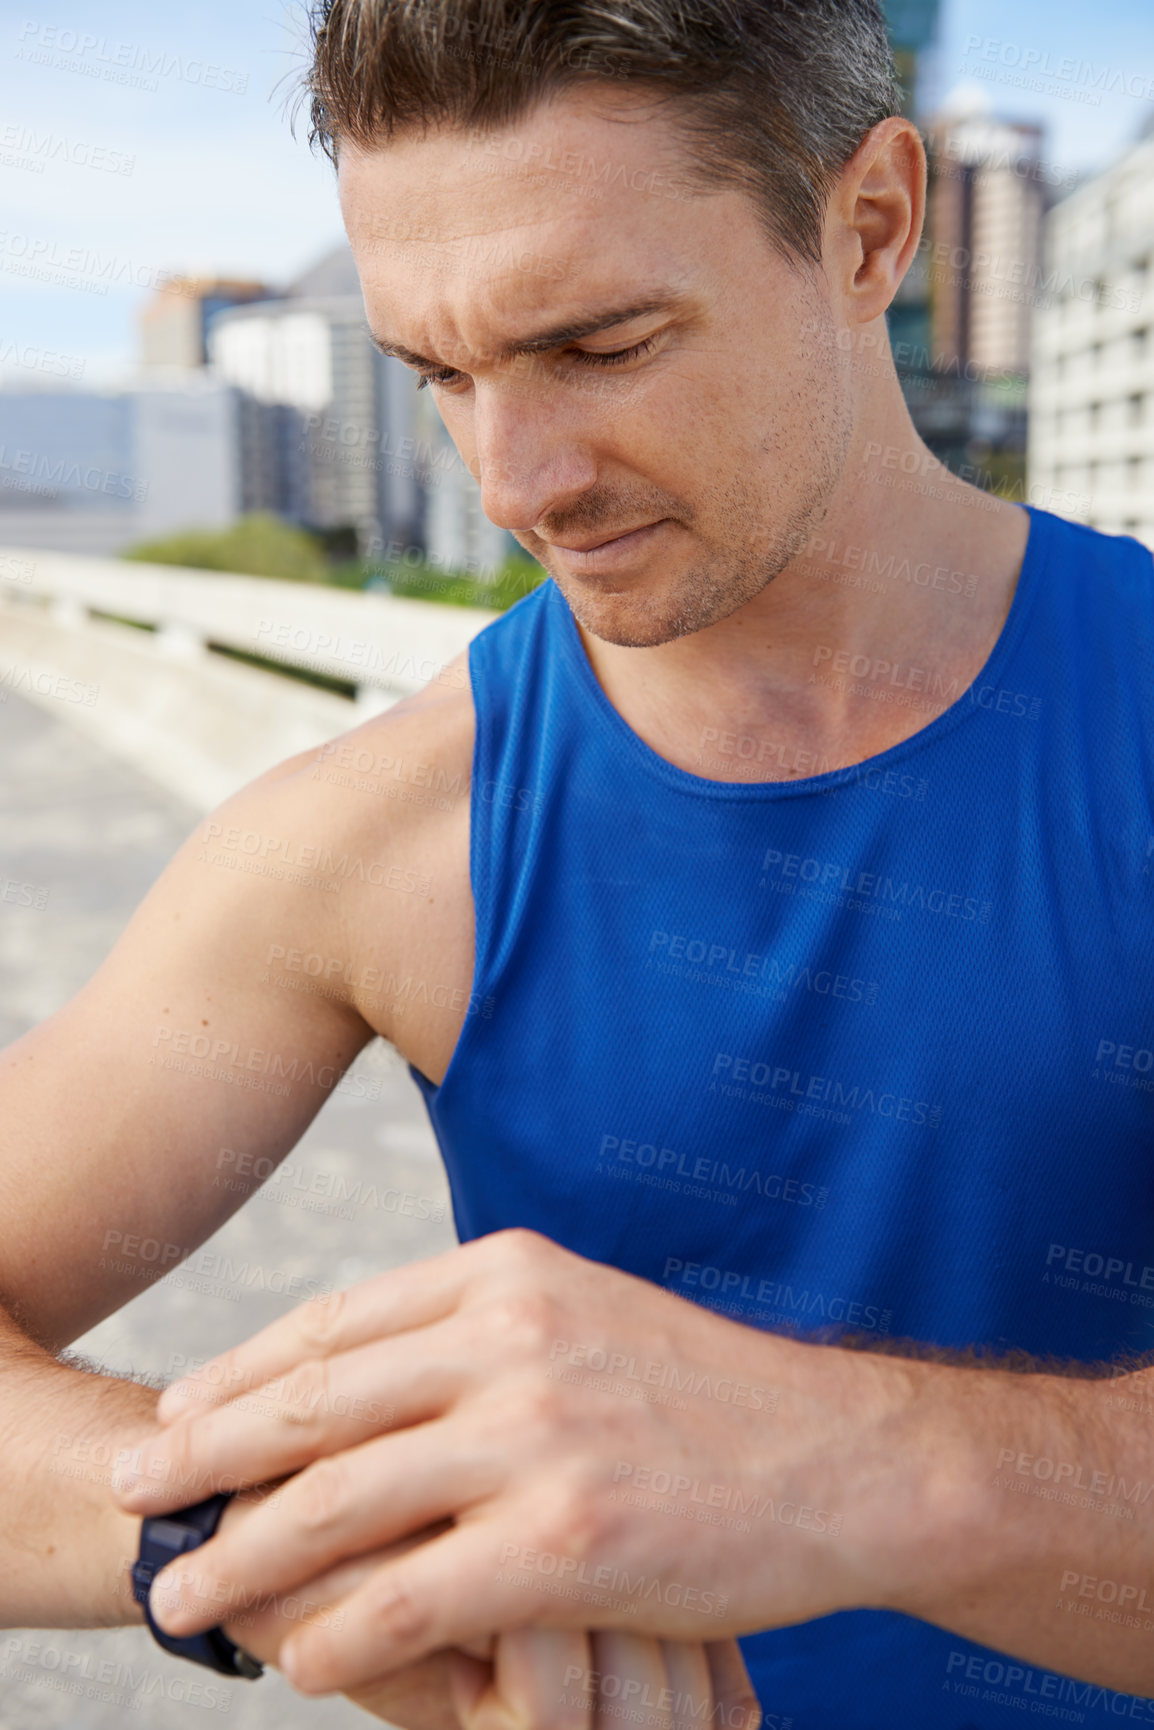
788,968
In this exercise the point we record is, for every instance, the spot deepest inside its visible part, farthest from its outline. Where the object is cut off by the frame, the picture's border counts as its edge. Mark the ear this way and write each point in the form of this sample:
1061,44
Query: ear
874,218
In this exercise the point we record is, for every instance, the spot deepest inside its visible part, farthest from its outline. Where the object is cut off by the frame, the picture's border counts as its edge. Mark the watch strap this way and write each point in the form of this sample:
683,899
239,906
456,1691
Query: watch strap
163,1537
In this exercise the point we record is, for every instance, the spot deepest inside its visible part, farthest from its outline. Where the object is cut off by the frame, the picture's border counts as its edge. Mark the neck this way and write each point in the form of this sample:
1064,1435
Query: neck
904,586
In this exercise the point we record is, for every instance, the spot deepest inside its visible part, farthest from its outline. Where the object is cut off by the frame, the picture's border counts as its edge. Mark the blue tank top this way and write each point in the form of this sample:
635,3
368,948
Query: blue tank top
870,1050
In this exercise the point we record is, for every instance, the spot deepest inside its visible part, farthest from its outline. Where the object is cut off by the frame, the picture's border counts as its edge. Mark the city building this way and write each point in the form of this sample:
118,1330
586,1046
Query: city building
979,257
1091,445
335,436
176,320
984,238
96,471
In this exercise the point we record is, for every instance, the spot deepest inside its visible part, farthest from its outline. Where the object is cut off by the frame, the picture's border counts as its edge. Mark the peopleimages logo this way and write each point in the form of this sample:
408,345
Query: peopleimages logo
791,1085
731,1285
720,959
700,1170
1005,1683
1093,1266
830,875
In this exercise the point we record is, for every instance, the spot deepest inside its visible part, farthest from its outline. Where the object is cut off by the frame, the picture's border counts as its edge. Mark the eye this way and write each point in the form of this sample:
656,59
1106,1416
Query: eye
583,356
618,356
442,375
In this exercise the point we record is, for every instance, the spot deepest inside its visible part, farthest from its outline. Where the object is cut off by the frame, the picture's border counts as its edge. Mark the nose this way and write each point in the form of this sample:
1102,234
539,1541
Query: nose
533,457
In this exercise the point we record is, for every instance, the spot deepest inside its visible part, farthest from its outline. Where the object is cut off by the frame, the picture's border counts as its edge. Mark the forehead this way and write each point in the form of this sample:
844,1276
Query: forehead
583,197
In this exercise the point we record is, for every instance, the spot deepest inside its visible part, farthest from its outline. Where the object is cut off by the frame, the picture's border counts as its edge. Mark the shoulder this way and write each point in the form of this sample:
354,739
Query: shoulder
1119,558
349,835
380,783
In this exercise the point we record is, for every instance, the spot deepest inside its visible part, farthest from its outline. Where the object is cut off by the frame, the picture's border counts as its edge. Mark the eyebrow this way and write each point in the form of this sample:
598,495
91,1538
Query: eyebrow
573,330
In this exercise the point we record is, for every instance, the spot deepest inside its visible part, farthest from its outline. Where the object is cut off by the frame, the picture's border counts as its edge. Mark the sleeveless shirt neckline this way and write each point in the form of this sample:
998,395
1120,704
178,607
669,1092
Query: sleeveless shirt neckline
700,786
680,781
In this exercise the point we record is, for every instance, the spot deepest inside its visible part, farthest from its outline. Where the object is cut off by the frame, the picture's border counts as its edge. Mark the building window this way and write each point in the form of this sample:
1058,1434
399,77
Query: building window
1137,409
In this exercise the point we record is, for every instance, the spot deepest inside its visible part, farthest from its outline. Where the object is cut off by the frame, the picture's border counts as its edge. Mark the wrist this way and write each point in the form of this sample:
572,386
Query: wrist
122,1544
869,1458
917,1510
938,1531
78,1545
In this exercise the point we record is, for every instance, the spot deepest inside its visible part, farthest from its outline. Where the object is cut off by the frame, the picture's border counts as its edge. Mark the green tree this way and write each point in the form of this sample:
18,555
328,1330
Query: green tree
259,545
514,577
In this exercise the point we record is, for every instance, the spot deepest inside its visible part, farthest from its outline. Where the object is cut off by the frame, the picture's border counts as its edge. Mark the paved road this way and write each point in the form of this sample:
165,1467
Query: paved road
95,834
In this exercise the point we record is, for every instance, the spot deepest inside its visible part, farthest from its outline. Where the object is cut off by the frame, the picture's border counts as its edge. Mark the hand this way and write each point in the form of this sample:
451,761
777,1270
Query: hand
529,1679
462,1389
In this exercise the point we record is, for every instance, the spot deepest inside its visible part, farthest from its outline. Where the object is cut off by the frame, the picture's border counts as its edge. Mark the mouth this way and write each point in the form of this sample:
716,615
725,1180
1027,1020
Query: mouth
608,551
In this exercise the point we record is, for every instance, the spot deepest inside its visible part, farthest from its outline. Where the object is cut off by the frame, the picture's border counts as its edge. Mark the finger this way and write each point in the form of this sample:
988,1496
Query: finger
447,1592
690,1685
473,1581
262,1628
735,1698
629,1681
337,1508
481,1648
418,1696
524,1688
320,1407
390,1303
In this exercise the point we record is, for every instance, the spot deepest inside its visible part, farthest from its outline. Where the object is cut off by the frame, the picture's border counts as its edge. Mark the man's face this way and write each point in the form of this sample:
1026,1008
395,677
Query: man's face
728,431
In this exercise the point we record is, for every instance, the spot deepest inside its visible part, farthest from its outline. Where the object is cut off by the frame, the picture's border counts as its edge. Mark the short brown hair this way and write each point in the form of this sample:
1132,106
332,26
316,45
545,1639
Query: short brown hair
771,97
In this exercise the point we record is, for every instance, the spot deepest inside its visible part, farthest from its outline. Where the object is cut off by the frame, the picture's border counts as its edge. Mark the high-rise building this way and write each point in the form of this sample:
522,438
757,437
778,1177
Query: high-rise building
335,436
1091,444
964,365
311,415
175,322
983,239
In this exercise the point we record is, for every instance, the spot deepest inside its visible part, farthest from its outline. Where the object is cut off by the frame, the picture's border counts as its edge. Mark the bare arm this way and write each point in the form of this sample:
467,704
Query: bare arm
115,1110
1039,1536
63,1540
113,1123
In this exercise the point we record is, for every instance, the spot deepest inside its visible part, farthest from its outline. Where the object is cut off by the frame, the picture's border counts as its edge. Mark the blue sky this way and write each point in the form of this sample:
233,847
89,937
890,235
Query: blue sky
216,183
1114,36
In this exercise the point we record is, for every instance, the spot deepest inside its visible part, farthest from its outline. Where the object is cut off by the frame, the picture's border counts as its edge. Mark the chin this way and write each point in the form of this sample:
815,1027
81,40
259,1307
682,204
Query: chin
630,620
640,617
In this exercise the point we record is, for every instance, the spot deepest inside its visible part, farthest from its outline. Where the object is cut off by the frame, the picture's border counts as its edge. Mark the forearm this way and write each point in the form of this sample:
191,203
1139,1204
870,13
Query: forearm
1033,1525
65,1547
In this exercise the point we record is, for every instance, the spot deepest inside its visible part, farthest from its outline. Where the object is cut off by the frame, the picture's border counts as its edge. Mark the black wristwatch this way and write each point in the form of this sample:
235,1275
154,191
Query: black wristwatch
163,1537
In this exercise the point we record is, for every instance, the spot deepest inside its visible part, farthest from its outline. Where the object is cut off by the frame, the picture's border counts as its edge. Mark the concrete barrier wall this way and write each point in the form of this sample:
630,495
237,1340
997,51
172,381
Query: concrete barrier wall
199,723
377,641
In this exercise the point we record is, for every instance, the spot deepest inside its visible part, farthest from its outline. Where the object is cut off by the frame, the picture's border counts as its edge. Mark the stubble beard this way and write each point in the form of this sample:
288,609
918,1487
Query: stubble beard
712,589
